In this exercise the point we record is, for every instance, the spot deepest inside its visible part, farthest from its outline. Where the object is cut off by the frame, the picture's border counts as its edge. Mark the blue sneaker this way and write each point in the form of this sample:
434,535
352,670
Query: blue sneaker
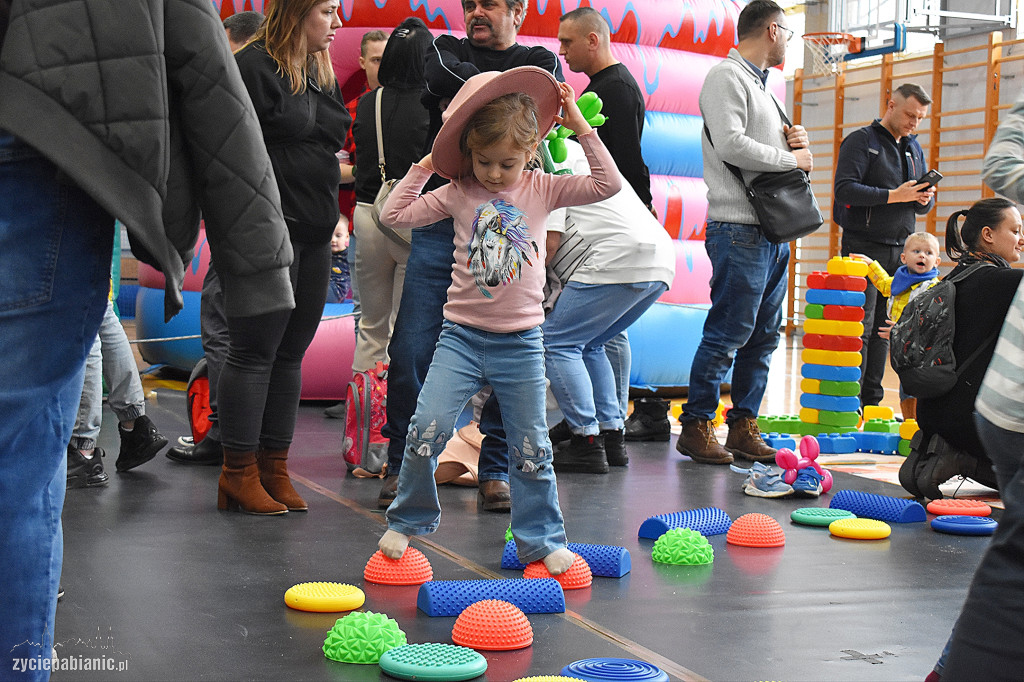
807,483
763,481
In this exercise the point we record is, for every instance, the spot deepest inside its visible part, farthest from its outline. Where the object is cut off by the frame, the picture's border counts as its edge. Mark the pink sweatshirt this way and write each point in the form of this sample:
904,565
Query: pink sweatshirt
498,276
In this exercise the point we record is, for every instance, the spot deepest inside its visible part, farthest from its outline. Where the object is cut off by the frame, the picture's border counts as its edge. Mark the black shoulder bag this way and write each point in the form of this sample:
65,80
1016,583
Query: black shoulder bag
785,205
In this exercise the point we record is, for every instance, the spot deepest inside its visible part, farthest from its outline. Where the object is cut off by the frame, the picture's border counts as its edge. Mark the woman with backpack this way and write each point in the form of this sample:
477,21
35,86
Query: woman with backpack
947,444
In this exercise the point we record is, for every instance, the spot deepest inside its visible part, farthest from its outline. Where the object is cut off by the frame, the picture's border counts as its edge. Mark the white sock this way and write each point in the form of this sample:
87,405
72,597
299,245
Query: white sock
392,544
559,561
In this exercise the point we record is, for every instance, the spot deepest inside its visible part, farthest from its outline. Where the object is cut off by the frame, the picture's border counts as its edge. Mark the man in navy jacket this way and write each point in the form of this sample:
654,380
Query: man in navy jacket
877,201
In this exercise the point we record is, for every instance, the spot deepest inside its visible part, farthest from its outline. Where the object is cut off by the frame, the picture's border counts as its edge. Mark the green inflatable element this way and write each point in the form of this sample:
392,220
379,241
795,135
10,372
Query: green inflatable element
590,106
683,547
362,637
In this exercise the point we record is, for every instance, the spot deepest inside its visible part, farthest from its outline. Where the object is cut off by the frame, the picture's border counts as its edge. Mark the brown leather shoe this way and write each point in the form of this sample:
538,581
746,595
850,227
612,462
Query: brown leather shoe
273,468
745,441
494,496
388,492
698,442
239,487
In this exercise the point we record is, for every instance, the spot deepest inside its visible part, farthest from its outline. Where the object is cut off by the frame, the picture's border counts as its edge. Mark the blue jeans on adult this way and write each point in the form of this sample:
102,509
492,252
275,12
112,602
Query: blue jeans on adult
748,285
54,278
428,274
466,360
988,640
586,316
620,355
110,358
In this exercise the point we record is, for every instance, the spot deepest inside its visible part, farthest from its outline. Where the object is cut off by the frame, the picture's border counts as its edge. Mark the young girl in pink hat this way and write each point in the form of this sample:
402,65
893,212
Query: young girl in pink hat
491,334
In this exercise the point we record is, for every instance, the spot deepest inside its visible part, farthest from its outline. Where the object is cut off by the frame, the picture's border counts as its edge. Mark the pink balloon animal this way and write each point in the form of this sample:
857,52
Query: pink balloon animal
809,450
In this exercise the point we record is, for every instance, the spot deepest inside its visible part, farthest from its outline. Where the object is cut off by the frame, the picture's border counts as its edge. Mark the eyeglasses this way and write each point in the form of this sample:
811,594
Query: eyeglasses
789,31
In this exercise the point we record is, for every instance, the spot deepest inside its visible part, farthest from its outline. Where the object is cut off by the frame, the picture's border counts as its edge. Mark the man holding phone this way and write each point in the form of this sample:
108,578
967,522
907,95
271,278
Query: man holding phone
879,192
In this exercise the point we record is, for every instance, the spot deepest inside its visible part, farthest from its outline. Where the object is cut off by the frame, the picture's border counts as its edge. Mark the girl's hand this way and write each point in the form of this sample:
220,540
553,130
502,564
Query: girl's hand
884,332
571,117
427,163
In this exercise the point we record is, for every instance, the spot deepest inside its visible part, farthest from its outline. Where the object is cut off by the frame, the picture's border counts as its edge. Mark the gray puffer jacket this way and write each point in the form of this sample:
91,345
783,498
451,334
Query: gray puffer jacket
140,103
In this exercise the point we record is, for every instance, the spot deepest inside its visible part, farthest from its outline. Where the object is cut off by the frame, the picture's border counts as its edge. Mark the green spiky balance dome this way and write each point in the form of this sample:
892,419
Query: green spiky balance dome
362,637
683,547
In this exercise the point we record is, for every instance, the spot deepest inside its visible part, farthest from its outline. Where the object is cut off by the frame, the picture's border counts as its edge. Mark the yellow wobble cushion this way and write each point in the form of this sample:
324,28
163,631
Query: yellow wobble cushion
860,529
324,597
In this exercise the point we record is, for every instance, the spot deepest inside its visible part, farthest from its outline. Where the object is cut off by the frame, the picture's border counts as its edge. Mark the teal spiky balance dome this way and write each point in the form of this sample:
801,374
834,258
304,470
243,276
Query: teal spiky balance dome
683,547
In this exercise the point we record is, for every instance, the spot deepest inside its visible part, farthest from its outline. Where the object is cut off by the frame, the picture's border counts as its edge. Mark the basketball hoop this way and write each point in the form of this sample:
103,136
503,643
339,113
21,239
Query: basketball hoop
828,50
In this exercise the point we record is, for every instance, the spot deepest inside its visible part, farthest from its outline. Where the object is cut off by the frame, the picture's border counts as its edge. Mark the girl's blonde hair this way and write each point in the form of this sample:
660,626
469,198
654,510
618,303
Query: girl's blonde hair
282,33
511,117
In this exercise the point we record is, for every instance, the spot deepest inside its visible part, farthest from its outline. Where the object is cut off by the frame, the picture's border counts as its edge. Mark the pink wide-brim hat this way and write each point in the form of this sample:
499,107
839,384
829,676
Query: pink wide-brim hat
480,89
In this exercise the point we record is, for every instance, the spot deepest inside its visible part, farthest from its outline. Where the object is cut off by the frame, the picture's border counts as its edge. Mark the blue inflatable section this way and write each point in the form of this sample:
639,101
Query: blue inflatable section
671,144
149,324
663,342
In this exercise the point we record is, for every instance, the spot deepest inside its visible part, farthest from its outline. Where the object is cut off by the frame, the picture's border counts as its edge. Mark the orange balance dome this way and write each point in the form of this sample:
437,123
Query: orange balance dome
756,530
576,578
412,569
492,625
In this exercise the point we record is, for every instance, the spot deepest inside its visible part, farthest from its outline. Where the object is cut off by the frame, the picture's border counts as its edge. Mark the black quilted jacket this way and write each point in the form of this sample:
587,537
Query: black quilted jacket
141,104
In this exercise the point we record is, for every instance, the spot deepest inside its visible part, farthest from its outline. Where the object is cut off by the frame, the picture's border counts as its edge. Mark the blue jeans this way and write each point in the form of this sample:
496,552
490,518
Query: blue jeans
428,274
586,316
748,285
988,639
54,279
110,358
466,360
620,355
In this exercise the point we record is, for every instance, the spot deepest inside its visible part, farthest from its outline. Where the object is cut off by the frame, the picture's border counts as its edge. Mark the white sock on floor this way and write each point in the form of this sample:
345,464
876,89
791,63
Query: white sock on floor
559,561
392,544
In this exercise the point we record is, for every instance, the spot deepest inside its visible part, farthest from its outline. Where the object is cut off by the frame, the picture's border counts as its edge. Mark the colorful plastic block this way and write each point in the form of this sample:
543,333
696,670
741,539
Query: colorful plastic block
606,561
450,597
812,386
904,448
843,388
836,443
842,344
832,418
846,266
706,521
832,403
880,507
823,280
879,443
778,423
834,358
834,327
845,313
827,373
814,311
834,297
882,426
908,428
878,412
779,440
808,415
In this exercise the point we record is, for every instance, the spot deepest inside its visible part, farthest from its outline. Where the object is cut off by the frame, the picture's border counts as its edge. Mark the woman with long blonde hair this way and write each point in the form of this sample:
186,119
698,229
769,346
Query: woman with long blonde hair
287,70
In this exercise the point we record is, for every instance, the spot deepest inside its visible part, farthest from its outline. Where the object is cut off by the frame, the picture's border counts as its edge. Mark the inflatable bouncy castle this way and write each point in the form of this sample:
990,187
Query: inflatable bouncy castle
668,46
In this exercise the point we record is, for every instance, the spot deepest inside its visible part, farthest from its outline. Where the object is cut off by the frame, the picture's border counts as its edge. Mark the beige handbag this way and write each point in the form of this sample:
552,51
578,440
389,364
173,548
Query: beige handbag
403,238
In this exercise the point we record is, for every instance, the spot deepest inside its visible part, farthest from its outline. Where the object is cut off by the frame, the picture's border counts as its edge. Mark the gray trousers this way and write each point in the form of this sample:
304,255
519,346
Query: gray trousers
213,323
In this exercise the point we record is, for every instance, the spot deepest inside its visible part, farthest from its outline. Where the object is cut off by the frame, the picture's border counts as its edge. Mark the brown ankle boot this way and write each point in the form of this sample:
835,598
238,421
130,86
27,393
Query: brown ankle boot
273,466
239,488
745,441
697,441
908,406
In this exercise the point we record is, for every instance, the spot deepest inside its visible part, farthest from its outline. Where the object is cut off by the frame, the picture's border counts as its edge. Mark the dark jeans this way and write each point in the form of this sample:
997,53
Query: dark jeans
428,274
875,353
988,640
213,323
258,394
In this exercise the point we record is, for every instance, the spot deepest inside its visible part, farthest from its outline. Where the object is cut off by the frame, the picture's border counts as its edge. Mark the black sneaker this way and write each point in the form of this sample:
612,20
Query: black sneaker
583,455
560,433
337,411
615,447
649,421
86,472
139,445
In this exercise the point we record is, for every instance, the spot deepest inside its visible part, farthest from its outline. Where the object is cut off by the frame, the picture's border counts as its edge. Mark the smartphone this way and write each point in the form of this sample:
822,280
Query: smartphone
930,178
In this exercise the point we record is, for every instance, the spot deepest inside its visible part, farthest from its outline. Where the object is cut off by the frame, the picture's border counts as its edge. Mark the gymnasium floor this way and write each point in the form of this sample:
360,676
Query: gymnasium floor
158,580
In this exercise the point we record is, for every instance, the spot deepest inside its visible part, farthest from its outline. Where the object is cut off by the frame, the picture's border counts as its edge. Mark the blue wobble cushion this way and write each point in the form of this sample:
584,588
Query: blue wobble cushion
879,507
605,561
956,524
614,669
706,521
451,597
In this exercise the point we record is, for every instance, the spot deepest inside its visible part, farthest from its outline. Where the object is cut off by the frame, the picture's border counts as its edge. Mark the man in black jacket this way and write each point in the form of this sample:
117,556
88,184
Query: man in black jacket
490,45
877,201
